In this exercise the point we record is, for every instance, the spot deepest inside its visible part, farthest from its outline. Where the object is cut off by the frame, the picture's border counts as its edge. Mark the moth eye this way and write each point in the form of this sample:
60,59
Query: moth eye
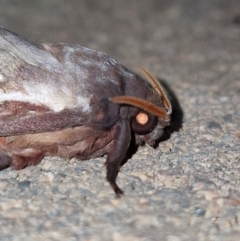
144,123
142,118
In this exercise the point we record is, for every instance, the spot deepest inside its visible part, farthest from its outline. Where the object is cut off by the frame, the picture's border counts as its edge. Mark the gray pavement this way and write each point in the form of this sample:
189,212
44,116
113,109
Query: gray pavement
186,189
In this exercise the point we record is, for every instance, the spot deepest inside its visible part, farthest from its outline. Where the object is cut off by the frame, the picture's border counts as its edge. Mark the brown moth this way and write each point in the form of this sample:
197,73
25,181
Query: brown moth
70,101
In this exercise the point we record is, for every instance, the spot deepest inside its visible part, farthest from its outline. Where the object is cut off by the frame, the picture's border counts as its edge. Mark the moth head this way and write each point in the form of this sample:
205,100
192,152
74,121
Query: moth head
151,118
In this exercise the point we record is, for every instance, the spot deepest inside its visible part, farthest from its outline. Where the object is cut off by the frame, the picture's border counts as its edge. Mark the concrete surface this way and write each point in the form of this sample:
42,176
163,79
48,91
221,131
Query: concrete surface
186,189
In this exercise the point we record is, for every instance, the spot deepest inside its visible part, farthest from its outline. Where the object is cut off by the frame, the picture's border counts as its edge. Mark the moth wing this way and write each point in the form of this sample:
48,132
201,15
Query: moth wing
36,93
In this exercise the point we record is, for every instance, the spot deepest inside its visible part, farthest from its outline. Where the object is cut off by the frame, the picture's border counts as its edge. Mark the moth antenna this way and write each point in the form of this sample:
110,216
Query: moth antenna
157,86
142,104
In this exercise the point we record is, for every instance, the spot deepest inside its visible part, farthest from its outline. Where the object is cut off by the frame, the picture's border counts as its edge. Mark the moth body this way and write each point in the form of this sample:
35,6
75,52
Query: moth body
70,101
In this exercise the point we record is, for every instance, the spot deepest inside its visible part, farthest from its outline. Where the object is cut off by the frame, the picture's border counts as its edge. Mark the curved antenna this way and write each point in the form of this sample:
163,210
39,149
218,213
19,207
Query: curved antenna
142,104
156,85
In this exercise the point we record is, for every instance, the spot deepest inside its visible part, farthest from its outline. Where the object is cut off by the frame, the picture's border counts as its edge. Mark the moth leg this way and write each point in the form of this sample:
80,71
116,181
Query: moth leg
118,149
5,160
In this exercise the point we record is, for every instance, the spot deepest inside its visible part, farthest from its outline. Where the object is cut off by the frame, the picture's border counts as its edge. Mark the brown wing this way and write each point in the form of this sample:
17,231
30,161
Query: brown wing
20,117
36,92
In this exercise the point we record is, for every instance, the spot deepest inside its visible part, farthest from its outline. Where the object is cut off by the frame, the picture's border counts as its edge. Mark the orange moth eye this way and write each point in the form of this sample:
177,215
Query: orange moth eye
143,123
142,118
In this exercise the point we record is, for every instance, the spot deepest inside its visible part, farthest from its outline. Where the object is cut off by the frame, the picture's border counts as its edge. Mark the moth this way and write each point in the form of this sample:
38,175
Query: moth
70,101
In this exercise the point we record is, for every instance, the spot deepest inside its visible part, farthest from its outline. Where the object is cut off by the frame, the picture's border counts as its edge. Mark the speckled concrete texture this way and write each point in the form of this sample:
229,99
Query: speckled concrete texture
186,189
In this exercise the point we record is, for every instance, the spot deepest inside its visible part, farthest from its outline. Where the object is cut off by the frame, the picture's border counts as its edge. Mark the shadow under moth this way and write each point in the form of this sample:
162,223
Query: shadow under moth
70,101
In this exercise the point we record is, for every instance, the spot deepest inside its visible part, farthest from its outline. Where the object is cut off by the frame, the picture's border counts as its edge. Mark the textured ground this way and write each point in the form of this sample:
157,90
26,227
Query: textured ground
186,189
